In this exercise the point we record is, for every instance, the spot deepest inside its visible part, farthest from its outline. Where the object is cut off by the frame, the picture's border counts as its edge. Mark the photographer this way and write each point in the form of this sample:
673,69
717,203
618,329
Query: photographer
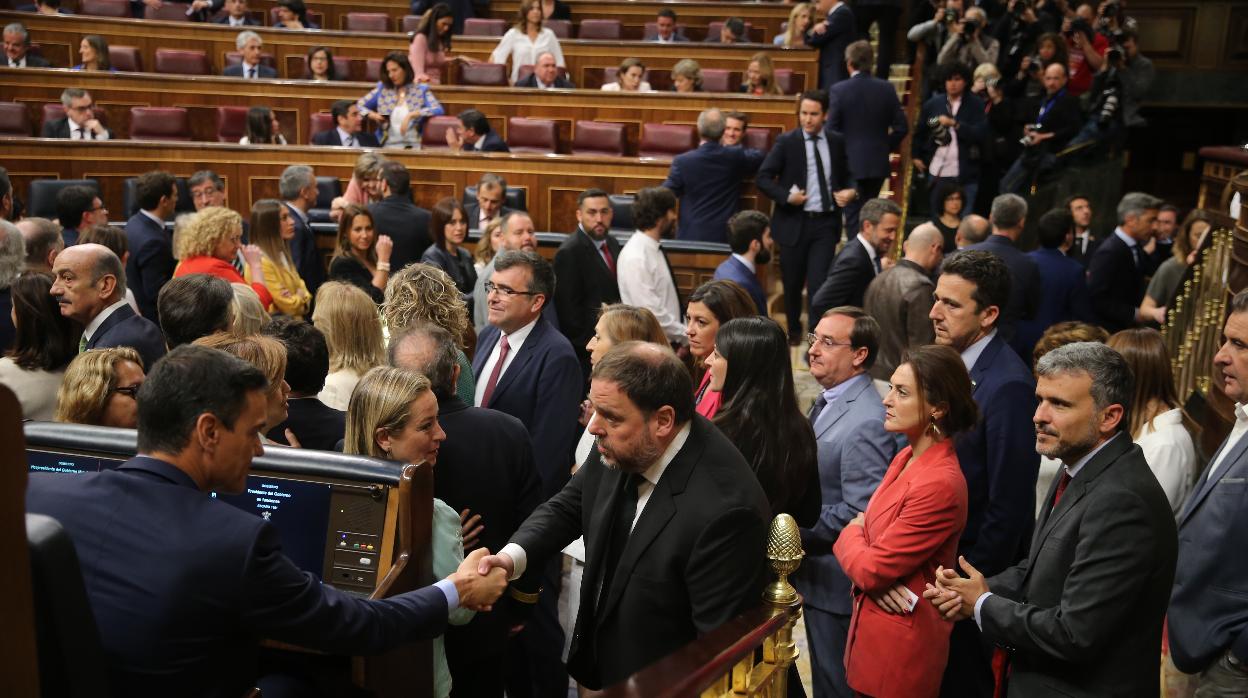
934,33
1137,77
1086,47
969,44
950,135
1026,81
1004,129
1016,33
1055,119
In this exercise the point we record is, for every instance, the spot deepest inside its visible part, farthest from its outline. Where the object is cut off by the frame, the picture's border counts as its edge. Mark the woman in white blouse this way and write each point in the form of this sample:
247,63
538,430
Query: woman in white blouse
526,40
628,77
1156,417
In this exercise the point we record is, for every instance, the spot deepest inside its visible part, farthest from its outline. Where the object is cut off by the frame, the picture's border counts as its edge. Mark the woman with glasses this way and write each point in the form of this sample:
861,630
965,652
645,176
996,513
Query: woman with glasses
45,342
101,387
711,305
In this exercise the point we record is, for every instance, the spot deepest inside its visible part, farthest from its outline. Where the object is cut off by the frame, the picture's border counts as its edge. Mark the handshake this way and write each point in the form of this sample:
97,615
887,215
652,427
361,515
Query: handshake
479,586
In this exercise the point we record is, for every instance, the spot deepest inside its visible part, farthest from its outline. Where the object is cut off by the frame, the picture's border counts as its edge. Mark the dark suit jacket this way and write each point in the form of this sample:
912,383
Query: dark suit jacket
32,61
1116,284
236,71
733,270
678,37
584,285
460,10
852,271
407,225
59,128
693,561
561,82
842,30
316,425
1063,296
123,328
998,458
865,110
308,260
901,300
708,182
494,143
187,622
1025,289
1079,255
151,261
542,387
363,139
1082,615
247,21
474,214
972,133
785,167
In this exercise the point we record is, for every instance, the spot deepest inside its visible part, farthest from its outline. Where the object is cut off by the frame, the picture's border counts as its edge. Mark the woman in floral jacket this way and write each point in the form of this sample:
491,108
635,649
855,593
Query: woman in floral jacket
398,104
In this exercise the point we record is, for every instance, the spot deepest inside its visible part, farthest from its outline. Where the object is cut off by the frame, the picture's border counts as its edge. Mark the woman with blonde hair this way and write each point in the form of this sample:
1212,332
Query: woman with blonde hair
687,76
272,229
208,244
348,319
760,77
424,293
629,77
794,35
249,315
365,185
393,415
487,246
101,388
266,354
361,258
526,40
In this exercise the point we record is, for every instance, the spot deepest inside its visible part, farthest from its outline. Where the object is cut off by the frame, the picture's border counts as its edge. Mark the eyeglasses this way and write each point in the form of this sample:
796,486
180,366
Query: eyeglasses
84,107
825,342
491,287
130,391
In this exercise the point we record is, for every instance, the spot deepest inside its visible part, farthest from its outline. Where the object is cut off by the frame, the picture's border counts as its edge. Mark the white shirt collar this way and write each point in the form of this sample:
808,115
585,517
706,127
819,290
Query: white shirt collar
1122,235
98,320
646,240
655,471
870,248
153,216
238,21
515,339
297,211
1073,470
748,264
343,135
972,353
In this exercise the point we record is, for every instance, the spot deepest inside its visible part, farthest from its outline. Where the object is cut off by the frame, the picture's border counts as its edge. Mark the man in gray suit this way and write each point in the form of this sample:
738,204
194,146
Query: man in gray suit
900,299
854,452
1082,614
1208,619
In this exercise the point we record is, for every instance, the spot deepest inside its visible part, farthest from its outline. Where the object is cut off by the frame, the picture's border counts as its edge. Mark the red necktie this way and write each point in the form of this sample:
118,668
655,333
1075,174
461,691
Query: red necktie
503,349
606,255
1061,488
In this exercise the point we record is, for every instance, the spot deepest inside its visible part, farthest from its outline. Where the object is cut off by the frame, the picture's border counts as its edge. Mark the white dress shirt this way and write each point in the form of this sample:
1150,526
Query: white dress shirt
98,320
251,72
1171,455
522,50
615,86
346,138
814,197
645,282
515,340
871,253
971,354
1237,433
78,132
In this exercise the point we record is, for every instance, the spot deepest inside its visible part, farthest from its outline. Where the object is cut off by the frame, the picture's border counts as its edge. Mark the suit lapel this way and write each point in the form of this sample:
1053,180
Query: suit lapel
1233,456
489,337
518,364
116,318
840,407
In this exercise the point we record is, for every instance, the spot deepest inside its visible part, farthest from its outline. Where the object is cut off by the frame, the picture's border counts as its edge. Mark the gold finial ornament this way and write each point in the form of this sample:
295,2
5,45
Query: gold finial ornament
784,550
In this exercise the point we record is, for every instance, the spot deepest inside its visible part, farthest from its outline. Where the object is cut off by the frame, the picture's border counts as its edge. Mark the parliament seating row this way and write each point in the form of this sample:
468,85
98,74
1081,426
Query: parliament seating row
697,19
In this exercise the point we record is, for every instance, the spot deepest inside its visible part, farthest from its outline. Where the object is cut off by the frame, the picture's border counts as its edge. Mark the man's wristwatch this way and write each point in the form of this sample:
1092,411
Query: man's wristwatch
523,596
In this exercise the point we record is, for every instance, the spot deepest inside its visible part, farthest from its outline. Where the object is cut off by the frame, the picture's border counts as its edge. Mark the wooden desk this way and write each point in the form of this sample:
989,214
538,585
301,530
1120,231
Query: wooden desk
764,18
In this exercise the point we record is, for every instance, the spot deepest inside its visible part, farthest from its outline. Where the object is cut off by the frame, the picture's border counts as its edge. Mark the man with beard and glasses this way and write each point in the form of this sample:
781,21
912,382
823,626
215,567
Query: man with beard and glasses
1082,614
749,236
585,271
645,275
674,521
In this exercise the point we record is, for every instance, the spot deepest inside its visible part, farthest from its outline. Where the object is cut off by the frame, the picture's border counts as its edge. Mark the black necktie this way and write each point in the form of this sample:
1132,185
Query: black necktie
350,140
621,528
251,73
823,179
876,261
817,408
1135,255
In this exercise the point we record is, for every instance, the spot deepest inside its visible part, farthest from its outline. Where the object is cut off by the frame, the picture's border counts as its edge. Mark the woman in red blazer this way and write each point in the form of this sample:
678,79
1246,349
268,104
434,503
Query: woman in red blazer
208,244
898,646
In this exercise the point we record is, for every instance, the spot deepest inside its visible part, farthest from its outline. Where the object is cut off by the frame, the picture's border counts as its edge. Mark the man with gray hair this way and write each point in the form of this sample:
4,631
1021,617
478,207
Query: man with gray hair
79,122
1082,614
250,45
16,47
1009,215
545,75
90,288
297,187
1121,264
861,259
707,180
900,299
972,230
12,259
43,243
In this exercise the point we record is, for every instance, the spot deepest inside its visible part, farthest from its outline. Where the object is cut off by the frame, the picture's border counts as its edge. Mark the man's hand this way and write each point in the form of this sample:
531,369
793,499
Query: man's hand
94,126
893,600
291,440
478,590
470,527
454,140
887,262
252,254
859,520
1157,315
820,28
487,563
965,590
948,121
844,196
797,198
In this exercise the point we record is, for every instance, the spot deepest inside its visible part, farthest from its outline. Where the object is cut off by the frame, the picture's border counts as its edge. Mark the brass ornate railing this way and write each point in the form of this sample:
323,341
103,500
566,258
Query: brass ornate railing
1194,320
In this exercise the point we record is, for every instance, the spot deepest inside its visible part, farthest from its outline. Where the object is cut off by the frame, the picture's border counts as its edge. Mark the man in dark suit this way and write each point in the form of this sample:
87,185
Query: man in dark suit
1009,215
11,252
527,369
235,15
395,215
346,130
885,14
666,30
1058,115
90,288
545,75
43,243
481,446
17,47
491,193
298,190
1208,616
865,110
831,34
1082,614
79,208
151,263
861,259
707,181
749,237
807,175
188,621
674,522
1084,244
1063,281
475,135
79,122
1118,271
732,31
998,456
250,45
585,272
313,423
951,151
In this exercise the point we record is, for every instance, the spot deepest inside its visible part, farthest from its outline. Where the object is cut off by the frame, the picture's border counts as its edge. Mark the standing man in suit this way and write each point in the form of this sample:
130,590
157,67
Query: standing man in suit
1063,281
806,175
297,187
43,243
151,248
397,216
645,274
313,423
708,181
665,29
831,35
854,453
900,299
998,456
545,75
183,623
79,122
585,271
1208,616
346,131
951,150
17,46
491,195
525,368
250,45
1082,614
481,446
475,135
79,208
861,259
1009,215
1084,244
749,237
1120,265
865,110
90,288
673,519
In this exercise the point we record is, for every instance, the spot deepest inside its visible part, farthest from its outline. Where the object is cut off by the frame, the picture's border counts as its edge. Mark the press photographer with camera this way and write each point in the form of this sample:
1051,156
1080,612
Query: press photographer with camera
969,43
934,33
1026,81
1016,32
1055,119
1086,47
950,136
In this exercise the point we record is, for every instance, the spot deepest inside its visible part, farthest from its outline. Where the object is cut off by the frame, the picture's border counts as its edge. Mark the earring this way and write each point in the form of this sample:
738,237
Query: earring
931,425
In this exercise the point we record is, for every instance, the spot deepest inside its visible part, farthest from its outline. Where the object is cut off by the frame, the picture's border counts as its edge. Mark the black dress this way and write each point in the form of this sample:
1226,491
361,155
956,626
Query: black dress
949,234
353,271
459,267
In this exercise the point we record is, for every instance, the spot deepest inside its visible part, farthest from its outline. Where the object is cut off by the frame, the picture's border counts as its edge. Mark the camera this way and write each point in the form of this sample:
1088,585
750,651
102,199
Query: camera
1034,67
969,27
951,15
1027,140
940,133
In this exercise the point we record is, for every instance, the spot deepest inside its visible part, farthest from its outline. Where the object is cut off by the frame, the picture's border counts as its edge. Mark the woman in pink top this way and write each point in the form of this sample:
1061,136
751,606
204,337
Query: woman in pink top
711,305
431,44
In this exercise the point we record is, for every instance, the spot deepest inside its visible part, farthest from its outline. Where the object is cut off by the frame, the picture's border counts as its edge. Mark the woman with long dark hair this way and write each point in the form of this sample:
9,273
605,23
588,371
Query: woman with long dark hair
398,103
262,128
711,305
431,44
319,65
272,229
448,225
46,341
94,52
362,257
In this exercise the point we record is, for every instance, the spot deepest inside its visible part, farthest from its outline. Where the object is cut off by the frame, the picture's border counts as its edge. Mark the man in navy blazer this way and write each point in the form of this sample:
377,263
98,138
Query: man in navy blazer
545,75
961,117
866,111
235,14
1119,267
1208,619
1009,215
151,263
707,180
298,189
749,237
475,135
188,620
585,272
346,131
399,217
250,45
854,452
831,35
998,457
1063,281
806,219
861,259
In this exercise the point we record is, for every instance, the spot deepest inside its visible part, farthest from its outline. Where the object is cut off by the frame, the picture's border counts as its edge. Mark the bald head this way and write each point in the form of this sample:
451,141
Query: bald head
925,246
972,230
429,350
89,278
518,232
43,242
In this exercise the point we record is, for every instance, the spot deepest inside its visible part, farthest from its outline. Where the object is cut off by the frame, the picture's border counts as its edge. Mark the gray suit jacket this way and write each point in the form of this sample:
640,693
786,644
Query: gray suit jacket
900,298
1082,615
854,453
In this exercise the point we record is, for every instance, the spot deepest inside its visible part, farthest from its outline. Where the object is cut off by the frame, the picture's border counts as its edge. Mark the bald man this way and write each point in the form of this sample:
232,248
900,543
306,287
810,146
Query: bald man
971,231
901,297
